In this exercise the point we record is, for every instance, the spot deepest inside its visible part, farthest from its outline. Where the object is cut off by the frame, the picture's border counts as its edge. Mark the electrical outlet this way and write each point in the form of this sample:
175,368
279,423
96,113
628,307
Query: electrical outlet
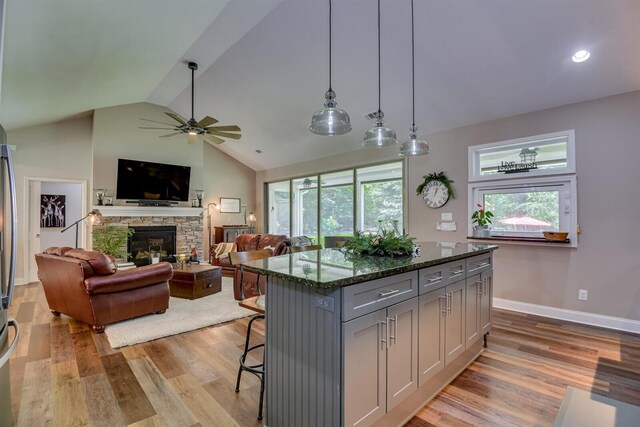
582,294
325,303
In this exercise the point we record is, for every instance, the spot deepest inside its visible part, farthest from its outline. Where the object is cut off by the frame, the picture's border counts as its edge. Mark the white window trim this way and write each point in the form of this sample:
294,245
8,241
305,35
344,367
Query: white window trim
570,180
474,160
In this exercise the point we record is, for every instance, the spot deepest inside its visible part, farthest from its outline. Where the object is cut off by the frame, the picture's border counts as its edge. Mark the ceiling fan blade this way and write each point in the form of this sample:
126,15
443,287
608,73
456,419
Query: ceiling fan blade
224,134
155,121
176,117
207,121
192,139
213,139
233,128
146,127
169,135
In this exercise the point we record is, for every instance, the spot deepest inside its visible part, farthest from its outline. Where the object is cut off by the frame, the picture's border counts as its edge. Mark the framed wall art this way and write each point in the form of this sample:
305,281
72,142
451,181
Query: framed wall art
52,211
229,205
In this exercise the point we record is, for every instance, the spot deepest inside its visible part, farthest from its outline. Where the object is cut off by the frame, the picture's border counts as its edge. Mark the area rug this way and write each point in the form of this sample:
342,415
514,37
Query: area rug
584,409
183,315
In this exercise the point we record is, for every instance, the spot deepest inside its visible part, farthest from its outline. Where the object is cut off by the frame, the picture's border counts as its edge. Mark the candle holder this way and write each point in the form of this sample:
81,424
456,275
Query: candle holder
100,193
199,196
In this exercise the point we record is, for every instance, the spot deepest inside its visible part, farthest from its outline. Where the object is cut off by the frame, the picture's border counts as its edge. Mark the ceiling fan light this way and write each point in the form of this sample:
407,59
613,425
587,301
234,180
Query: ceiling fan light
330,120
192,132
379,136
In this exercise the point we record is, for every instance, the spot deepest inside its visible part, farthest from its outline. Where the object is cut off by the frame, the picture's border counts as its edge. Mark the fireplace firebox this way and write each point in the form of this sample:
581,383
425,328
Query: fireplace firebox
153,242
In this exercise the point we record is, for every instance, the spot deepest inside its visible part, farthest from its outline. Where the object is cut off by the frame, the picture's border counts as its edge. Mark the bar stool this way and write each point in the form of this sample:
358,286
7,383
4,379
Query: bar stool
257,304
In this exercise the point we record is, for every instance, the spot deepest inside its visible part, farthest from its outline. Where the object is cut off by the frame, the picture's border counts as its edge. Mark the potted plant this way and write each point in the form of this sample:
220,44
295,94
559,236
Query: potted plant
112,240
383,244
481,219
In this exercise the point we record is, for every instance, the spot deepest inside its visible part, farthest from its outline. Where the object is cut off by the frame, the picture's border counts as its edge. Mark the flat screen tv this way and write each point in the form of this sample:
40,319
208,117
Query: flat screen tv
138,180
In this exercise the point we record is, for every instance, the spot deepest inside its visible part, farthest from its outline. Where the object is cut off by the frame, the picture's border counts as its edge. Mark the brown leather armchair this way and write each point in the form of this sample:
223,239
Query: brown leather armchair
86,285
278,244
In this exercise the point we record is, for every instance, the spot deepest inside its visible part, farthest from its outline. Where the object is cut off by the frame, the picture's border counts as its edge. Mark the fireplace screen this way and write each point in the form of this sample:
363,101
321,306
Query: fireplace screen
152,244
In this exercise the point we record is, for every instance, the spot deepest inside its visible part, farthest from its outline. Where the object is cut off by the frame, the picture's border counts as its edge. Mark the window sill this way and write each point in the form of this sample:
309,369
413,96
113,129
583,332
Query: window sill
532,241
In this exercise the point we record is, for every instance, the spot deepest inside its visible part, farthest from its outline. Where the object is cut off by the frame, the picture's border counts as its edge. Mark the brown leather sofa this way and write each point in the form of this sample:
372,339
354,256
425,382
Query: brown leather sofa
278,244
86,285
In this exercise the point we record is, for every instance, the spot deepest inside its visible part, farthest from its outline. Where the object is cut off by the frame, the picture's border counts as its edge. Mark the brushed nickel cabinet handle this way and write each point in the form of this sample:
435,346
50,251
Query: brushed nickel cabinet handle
443,310
457,271
482,264
383,341
435,279
387,293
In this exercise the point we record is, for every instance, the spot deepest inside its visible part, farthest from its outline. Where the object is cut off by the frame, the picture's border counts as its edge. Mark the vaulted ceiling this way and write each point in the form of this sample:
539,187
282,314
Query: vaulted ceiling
264,64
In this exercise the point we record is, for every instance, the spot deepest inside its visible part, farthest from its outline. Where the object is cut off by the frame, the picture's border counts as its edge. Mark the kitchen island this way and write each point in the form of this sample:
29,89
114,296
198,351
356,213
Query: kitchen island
361,341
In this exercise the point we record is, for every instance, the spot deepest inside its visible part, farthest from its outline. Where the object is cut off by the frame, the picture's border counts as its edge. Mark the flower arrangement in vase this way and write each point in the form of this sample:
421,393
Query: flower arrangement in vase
482,219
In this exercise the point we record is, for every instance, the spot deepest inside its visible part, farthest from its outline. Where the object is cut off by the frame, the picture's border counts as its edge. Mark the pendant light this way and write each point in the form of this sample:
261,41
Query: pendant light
379,135
414,146
330,120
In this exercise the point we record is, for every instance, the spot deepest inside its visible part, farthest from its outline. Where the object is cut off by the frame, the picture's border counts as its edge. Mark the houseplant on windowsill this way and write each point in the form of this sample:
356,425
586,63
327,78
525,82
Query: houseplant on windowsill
482,219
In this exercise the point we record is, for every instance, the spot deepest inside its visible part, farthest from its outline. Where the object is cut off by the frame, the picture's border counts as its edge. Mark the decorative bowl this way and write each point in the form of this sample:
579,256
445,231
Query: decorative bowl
555,235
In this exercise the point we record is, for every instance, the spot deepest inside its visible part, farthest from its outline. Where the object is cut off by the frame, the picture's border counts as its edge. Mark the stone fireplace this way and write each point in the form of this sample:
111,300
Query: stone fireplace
185,224
145,241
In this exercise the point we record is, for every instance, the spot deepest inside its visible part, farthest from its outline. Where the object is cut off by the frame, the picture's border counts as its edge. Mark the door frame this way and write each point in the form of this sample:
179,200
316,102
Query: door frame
29,251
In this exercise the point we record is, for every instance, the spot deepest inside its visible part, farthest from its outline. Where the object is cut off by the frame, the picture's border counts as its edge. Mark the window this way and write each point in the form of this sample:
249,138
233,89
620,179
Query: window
337,203
529,195
278,204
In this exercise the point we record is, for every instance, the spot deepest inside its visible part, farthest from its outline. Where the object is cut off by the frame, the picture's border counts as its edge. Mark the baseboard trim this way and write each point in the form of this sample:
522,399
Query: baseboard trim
610,322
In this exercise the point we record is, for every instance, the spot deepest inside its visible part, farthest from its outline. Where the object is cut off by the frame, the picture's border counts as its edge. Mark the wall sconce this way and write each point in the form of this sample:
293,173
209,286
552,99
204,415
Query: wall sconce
252,218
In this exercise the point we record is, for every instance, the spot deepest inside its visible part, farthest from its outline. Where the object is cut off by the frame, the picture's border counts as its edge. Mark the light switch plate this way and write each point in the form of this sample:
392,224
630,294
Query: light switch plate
446,216
325,303
446,226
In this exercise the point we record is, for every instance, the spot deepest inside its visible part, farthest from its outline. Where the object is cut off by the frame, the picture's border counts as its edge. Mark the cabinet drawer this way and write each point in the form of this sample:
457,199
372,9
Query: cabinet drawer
432,278
455,271
373,295
479,263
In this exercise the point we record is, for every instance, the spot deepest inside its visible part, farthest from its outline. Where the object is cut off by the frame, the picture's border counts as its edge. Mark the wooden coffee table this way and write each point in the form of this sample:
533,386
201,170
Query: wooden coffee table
195,281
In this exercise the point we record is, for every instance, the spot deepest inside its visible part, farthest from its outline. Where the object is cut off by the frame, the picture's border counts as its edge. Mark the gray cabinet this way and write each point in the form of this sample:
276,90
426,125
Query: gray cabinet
486,301
432,314
454,338
380,354
365,365
474,289
402,354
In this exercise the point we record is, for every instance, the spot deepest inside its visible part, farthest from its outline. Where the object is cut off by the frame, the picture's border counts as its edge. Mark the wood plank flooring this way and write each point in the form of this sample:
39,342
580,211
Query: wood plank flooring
62,374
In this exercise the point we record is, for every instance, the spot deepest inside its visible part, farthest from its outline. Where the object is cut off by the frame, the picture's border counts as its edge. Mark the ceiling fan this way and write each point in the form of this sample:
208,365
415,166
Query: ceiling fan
212,134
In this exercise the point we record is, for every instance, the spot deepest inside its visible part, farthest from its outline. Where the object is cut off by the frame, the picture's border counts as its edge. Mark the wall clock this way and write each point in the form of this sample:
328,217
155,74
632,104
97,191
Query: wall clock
435,190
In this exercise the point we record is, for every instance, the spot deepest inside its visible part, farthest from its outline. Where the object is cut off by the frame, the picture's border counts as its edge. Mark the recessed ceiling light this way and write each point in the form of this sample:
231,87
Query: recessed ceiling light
581,56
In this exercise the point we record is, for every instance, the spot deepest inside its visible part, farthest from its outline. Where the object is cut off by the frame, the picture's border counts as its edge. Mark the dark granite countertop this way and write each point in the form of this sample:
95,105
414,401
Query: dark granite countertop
330,268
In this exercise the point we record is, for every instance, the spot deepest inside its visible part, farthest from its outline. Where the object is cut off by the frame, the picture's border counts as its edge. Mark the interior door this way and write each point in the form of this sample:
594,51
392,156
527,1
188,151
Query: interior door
34,228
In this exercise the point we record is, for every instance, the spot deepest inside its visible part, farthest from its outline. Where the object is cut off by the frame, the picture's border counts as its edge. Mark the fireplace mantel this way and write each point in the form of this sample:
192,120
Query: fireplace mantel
125,211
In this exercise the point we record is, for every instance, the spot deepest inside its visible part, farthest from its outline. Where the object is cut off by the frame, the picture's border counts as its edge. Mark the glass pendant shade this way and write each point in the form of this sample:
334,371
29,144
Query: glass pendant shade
330,120
414,146
379,135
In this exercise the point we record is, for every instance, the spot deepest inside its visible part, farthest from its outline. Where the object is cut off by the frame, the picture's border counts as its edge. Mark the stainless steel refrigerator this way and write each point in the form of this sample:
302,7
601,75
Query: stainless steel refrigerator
8,225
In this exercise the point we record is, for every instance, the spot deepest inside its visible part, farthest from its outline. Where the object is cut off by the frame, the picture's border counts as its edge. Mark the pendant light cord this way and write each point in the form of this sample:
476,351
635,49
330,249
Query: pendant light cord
379,72
413,68
330,32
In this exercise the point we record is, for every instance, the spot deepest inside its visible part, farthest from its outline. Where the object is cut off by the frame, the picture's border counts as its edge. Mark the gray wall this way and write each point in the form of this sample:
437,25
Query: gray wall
607,260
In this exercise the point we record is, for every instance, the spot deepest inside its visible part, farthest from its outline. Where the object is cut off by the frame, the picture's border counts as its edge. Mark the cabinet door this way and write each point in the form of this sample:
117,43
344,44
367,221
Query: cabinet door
486,302
402,352
364,374
432,313
474,289
454,322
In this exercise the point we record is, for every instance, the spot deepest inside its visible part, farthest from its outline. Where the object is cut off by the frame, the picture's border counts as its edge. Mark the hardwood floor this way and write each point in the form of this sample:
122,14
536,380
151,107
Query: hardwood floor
63,374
